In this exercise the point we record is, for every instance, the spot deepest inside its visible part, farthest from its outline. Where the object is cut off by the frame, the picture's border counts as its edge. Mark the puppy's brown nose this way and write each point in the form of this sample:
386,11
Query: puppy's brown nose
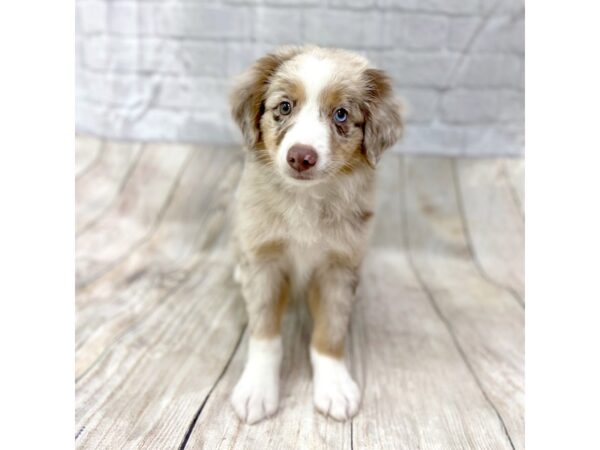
301,157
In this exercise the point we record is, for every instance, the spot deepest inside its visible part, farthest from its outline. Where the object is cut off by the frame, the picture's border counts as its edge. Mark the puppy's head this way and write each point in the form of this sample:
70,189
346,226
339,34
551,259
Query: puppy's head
312,113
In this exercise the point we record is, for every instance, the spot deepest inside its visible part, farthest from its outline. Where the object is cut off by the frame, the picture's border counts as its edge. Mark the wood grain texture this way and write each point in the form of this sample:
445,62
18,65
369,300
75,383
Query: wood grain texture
191,226
485,321
87,152
493,222
436,338
296,424
157,351
146,390
100,185
514,170
417,390
134,216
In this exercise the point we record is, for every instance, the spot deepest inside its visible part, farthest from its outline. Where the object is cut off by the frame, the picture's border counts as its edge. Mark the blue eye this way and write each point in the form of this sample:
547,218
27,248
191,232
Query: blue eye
340,115
285,108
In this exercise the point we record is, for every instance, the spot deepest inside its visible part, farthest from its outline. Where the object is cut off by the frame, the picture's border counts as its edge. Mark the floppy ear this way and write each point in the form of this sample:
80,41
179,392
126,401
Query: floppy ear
248,95
383,115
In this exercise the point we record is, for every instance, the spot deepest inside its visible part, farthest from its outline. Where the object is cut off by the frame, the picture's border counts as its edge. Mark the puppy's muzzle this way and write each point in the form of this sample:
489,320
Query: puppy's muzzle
302,157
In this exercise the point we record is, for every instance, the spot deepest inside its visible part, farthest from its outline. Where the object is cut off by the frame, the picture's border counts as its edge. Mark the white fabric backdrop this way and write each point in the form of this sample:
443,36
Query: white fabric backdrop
160,70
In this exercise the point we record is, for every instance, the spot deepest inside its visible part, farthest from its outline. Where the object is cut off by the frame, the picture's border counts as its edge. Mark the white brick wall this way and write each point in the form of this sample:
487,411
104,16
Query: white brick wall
160,70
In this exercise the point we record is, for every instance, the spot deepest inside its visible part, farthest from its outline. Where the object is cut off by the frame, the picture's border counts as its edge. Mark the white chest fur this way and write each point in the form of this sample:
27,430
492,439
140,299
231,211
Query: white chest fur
308,238
312,222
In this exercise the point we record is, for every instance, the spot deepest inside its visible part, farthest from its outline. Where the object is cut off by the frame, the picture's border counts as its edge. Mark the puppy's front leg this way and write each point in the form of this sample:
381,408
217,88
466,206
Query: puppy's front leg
265,290
330,299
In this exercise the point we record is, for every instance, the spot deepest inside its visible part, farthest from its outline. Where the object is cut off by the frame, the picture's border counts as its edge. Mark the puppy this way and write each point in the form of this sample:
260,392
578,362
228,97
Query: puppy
315,122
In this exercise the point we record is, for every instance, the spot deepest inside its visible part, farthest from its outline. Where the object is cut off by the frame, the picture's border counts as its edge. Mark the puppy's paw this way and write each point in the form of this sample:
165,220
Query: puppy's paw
339,398
255,398
256,395
335,392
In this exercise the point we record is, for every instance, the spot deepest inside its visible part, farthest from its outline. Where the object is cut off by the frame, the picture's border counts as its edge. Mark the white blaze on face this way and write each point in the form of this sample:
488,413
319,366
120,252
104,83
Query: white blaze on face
310,128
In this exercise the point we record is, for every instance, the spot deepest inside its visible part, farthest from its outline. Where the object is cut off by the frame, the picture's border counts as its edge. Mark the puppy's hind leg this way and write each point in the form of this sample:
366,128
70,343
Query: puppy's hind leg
265,289
330,300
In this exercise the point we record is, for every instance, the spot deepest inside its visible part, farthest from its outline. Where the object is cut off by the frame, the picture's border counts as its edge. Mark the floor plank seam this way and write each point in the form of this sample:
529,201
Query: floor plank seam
156,223
122,183
113,393
457,344
132,327
192,424
190,270
92,163
218,205
79,432
131,370
466,230
206,228
513,193
439,313
461,351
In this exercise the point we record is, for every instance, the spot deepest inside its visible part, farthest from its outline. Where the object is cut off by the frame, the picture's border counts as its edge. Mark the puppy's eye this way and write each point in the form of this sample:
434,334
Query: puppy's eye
340,115
285,108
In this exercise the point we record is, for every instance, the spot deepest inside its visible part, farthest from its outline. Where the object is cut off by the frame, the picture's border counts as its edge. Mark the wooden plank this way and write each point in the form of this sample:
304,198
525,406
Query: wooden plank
144,392
171,344
87,152
95,192
157,329
486,322
192,224
415,374
296,420
494,222
134,217
514,170
417,390
295,425
166,341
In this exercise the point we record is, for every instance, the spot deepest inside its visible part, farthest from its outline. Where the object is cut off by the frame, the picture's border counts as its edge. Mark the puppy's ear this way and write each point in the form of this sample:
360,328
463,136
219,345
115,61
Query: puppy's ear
248,95
383,115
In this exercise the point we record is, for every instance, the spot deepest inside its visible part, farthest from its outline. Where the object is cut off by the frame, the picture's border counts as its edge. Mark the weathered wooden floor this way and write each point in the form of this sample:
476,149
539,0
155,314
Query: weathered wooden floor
436,341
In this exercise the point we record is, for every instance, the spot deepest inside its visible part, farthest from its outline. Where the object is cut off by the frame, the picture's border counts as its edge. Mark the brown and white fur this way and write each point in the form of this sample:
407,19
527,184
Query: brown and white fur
306,227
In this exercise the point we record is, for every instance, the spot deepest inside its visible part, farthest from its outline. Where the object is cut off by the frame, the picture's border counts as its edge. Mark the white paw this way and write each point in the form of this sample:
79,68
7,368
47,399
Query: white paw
254,399
335,392
256,395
